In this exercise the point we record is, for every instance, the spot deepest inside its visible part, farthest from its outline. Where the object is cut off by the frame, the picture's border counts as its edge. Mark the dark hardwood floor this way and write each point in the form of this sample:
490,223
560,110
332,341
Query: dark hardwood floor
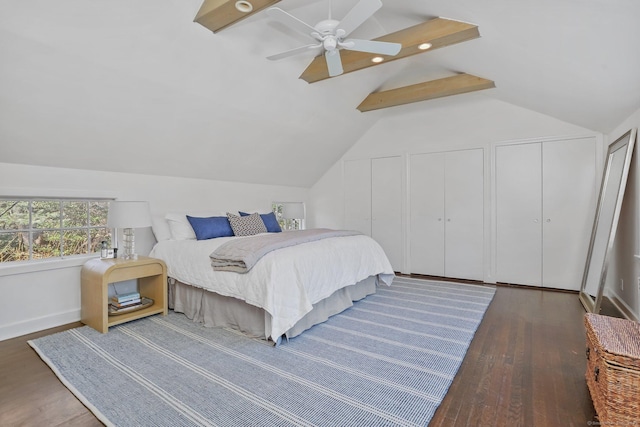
30,393
525,367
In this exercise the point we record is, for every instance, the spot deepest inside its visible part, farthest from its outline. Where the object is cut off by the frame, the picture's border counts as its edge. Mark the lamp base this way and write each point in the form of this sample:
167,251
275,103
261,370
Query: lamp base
129,244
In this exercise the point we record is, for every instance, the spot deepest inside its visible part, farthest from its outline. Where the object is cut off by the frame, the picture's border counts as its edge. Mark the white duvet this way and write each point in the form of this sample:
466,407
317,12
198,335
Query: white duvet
286,282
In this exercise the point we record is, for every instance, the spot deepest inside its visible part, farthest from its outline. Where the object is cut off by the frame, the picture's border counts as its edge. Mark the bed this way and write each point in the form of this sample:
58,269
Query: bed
286,292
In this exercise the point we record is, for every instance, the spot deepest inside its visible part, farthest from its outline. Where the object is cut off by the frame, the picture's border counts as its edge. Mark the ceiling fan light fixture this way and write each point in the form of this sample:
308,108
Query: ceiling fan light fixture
377,59
244,6
424,46
330,43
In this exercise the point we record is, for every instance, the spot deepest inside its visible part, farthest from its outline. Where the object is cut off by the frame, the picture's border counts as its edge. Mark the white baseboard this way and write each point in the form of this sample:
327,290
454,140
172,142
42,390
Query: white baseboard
38,324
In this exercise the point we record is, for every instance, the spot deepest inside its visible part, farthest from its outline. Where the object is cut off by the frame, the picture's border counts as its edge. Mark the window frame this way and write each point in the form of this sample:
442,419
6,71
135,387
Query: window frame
62,260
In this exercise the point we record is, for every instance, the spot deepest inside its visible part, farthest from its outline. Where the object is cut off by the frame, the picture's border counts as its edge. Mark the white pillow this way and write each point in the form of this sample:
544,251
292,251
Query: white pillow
160,228
180,227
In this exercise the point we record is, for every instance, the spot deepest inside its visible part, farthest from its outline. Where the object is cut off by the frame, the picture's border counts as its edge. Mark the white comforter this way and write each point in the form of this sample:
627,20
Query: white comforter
286,282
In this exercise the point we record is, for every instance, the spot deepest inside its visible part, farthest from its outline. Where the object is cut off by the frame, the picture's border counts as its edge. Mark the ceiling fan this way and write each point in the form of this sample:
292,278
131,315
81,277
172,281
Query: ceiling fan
330,35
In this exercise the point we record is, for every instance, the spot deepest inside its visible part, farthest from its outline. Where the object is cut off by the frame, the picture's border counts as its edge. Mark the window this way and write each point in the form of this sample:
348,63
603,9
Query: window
34,229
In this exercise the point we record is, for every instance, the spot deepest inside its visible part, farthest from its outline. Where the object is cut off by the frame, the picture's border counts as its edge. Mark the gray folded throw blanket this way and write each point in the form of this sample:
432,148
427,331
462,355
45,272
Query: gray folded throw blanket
240,255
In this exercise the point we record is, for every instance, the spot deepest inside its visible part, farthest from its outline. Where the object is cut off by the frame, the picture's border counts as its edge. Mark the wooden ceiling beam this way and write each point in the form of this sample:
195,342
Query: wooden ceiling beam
440,32
455,85
219,14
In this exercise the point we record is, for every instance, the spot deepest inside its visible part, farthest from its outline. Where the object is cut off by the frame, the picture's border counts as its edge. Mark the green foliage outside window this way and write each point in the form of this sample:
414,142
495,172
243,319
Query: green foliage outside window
32,229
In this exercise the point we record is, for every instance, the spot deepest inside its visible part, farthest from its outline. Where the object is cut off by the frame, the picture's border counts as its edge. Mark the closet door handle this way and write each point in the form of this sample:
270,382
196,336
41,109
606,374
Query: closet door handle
548,219
439,219
535,220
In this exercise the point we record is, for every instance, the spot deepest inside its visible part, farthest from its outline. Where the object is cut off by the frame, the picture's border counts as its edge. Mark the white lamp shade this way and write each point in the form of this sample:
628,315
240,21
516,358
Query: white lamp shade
128,215
293,210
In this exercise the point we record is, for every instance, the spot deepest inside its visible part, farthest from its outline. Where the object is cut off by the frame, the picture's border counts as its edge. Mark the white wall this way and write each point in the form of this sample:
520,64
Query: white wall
325,198
625,261
479,122
45,295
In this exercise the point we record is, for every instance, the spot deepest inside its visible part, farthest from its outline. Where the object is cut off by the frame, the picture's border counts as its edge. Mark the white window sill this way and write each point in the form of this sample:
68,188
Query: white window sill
44,265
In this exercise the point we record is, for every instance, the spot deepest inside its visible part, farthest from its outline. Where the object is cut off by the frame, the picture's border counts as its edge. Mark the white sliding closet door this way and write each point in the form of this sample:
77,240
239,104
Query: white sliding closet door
568,187
357,195
518,214
447,214
386,207
427,214
545,198
464,214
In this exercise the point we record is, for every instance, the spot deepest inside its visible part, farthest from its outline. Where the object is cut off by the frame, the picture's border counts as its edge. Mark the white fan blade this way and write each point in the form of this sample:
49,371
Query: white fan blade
334,63
372,46
301,49
291,21
356,16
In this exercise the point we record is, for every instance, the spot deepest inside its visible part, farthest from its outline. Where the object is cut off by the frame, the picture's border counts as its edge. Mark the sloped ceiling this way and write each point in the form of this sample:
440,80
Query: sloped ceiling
137,86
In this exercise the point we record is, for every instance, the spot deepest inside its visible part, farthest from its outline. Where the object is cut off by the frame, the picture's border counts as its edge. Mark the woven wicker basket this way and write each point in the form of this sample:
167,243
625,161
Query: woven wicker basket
613,369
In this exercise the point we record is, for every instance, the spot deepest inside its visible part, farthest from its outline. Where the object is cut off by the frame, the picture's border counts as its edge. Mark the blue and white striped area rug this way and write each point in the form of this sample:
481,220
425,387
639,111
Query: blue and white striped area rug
389,360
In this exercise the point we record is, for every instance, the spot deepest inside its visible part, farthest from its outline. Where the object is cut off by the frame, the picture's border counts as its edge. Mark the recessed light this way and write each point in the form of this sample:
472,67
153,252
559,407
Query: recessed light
424,46
377,59
244,6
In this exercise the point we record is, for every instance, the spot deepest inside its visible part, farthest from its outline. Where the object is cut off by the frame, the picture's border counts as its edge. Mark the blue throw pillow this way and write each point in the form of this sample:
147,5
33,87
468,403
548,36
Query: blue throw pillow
210,228
270,221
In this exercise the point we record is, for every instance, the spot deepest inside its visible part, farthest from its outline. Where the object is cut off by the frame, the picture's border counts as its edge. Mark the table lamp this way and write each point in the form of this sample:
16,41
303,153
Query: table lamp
128,215
292,211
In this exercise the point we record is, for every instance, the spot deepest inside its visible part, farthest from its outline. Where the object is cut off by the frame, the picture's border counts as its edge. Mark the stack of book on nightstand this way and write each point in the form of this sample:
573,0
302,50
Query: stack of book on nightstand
125,301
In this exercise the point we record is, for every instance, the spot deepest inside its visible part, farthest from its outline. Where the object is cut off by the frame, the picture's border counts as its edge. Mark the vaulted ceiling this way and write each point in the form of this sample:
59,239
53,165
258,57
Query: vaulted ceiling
137,86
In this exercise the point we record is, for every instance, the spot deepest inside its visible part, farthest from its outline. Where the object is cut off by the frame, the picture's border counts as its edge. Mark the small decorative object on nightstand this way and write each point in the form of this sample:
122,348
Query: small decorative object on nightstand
96,275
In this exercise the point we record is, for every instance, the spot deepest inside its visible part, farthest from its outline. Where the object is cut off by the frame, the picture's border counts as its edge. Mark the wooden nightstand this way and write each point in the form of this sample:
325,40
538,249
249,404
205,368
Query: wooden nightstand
98,273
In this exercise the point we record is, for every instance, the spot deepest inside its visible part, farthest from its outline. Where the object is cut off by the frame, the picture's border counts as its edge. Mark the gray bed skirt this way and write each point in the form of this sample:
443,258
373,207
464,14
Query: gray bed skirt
214,310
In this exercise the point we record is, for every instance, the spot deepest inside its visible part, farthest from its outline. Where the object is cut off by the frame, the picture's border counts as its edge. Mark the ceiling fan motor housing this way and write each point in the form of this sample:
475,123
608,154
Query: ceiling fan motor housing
327,27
